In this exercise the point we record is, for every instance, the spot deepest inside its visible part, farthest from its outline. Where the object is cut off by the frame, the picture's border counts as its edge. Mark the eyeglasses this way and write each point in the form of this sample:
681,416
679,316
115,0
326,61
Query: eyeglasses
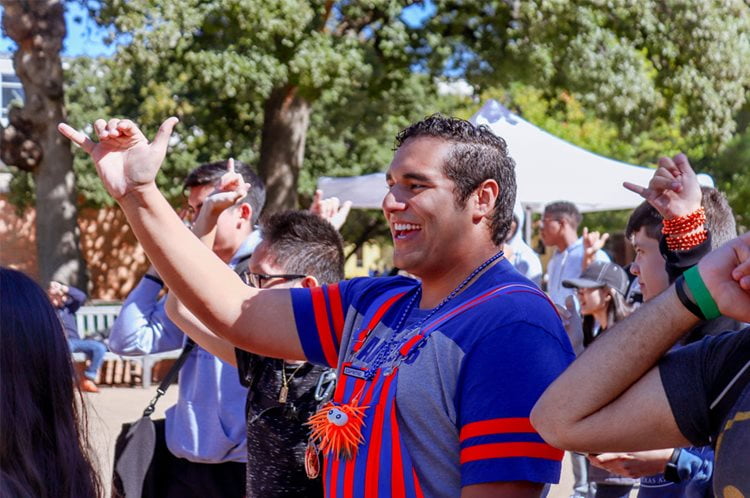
258,279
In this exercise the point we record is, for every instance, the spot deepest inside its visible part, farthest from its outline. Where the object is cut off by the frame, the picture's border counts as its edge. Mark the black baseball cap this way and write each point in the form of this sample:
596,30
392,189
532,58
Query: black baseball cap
598,274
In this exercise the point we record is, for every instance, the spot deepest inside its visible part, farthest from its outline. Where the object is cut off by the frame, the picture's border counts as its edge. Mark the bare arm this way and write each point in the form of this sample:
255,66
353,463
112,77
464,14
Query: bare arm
188,323
589,407
127,164
514,489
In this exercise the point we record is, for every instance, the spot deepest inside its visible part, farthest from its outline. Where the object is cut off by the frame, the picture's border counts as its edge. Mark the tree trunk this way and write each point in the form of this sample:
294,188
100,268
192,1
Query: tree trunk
31,141
286,118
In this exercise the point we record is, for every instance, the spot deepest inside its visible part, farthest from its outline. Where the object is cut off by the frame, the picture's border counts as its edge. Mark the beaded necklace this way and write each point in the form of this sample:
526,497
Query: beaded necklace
337,426
393,342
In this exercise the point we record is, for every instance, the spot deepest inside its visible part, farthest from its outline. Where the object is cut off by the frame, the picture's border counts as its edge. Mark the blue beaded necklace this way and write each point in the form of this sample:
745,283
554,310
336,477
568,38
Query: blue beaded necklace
392,343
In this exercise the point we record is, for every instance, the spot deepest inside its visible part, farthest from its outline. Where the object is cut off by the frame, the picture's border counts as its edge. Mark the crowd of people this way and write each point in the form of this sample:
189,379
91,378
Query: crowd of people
459,377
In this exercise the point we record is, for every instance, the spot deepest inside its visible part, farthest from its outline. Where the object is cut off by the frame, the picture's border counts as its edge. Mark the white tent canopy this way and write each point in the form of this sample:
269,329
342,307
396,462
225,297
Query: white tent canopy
547,169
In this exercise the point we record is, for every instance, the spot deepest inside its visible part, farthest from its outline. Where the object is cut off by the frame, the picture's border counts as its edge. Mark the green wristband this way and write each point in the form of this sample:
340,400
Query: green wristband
700,293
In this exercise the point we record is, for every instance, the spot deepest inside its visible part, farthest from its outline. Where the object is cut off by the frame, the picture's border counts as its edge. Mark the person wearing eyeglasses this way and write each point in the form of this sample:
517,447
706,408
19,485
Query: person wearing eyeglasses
201,445
559,229
437,376
298,250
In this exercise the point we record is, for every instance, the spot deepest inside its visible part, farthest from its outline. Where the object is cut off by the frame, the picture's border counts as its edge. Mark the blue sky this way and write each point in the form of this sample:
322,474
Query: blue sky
85,37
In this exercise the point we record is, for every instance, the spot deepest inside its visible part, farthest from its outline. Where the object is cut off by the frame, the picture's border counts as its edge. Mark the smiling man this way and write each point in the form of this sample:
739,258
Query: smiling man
437,376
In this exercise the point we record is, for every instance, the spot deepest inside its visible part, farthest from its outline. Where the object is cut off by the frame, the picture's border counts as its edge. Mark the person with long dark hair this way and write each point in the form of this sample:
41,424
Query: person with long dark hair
44,449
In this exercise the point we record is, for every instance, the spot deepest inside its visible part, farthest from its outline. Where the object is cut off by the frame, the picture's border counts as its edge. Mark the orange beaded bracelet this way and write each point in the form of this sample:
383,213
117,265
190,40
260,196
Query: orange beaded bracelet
684,224
686,241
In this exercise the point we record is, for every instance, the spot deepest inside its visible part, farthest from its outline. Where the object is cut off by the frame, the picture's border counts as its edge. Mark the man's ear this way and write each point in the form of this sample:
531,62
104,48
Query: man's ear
246,212
309,282
484,198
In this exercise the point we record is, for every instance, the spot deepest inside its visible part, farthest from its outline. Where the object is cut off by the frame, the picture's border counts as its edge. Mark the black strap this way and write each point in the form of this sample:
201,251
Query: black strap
692,306
170,377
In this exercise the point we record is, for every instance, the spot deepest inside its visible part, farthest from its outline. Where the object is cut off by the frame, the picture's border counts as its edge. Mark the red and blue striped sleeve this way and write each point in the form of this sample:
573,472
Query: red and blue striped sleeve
320,314
501,378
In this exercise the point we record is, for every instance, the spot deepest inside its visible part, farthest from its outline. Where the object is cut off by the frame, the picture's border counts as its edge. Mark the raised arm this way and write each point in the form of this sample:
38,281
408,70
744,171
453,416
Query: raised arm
590,406
127,164
198,332
74,297
674,192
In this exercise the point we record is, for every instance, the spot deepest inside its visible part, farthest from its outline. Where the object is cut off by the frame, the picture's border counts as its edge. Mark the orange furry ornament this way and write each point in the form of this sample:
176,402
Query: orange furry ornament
338,428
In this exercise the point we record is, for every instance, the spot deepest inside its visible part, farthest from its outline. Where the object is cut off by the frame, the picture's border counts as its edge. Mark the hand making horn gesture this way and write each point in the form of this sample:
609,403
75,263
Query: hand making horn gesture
230,189
330,209
674,190
124,158
592,243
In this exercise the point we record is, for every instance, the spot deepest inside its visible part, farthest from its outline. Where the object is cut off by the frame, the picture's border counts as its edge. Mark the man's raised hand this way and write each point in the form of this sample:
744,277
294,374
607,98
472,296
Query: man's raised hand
330,209
230,189
123,156
592,243
674,190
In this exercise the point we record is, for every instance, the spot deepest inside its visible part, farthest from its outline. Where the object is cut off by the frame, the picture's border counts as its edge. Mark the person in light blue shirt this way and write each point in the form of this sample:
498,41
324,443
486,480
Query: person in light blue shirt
559,229
201,446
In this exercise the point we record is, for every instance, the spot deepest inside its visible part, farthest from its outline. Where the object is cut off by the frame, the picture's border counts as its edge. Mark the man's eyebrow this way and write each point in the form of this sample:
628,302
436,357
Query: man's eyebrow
417,176
410,176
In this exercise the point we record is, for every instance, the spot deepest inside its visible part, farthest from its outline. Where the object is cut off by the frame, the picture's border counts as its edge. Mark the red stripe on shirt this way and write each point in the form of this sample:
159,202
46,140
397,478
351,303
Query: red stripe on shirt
417,487
510,450
350,463
381,311
398,487
337,310
323,326
372,472
495,426
470,304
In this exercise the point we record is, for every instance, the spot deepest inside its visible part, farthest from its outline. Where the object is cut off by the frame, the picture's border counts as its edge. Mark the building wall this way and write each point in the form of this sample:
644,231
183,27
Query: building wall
371,258
113,256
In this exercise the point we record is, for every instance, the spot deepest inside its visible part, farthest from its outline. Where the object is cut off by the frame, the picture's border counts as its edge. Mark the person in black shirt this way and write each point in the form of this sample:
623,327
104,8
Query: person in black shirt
672,412
299,249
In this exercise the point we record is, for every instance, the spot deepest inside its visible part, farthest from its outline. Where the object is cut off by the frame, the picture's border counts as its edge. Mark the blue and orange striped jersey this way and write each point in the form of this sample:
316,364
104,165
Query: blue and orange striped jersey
460,403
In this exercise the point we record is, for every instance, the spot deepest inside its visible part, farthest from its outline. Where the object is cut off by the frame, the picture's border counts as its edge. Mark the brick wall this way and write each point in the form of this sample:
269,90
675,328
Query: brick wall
114,258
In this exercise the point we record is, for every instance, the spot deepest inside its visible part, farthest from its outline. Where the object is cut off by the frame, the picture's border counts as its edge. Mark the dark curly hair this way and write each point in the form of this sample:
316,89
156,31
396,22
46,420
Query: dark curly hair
476,155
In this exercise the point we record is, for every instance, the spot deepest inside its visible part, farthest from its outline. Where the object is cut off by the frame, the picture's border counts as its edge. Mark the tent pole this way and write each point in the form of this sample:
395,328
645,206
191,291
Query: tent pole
527,224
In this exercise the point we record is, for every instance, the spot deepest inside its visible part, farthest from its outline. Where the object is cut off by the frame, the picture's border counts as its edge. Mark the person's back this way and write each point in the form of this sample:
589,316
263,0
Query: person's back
44,449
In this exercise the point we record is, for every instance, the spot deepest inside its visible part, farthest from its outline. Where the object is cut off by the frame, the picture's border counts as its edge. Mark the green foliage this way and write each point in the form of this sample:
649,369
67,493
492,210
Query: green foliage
672,66
214,63
566,118
731,171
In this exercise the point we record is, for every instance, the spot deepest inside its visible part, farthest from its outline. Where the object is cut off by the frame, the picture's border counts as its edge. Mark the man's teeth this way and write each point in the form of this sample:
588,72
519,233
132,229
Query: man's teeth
406,226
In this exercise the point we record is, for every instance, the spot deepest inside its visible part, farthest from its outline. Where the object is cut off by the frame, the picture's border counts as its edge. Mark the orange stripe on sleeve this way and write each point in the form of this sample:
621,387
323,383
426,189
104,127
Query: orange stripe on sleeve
510,450
323,326
495,426
337,310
